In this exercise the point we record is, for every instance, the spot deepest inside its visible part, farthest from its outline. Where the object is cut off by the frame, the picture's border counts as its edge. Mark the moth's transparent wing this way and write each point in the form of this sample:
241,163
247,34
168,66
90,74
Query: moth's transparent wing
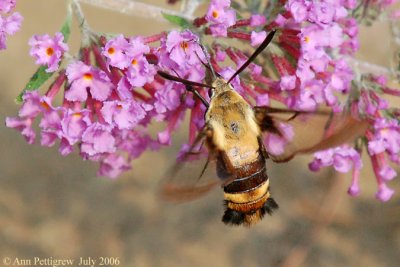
195,174
189,180
312,131
340,129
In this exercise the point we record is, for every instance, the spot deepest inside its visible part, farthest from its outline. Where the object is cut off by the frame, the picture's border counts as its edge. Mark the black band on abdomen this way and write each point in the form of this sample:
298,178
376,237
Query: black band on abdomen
248,183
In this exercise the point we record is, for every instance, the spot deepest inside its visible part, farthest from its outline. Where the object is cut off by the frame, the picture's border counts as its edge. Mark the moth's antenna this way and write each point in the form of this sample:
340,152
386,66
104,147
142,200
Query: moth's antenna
207,56
184,81
188,85
202,63
262,46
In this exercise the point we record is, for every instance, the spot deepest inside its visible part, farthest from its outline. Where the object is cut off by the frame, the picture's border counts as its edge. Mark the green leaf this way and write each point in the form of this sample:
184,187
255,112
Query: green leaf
177,20
37,79
41,76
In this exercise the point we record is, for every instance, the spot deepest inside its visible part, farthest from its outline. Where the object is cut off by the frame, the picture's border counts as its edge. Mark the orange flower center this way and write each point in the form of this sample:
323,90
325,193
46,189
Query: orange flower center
307,39
119,106
50,51
134,62
111,50
88,76
184,45
45,105
215,14
77,115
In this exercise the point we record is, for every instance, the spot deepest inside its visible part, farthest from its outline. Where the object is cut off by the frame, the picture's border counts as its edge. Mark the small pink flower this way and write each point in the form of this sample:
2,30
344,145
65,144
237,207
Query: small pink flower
140,72
74,124
386,138
167,98
97,139
288,82
31,104
387,173
275,144
257,20
262,100
164,137
24,126
322,13
124,115
48,51
50,124
219,12
6,6
84,79
299,9
257,37
341,158
113,165
9,26
312,94
221,16
115,51
30,109
182,48
384,192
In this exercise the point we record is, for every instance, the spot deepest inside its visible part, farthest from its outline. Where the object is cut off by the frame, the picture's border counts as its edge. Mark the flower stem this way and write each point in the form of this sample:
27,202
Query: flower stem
86,31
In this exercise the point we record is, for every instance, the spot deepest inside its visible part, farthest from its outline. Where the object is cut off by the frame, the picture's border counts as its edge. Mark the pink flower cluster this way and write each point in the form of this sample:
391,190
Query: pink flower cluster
112,92
382,140
106,109
9,22
322,27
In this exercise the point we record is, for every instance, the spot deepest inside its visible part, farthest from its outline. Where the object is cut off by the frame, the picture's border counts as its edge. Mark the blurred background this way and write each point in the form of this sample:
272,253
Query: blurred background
55,206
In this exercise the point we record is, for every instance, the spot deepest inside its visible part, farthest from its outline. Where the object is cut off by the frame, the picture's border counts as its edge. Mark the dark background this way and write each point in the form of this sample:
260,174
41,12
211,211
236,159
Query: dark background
55,206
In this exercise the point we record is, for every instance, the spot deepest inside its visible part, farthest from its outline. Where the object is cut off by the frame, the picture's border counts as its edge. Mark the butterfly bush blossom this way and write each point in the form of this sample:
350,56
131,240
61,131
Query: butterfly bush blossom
10,22
112,93
48,51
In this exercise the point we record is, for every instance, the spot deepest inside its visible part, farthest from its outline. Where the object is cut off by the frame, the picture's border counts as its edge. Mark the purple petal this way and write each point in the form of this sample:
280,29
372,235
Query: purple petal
164,137
113,165
65,147
275,144
7,5
342,164
48,138
31,106
376,147
24,126
257,37
288,82
101,89
97,139
257,20
77,91
384,193
387,173
13,23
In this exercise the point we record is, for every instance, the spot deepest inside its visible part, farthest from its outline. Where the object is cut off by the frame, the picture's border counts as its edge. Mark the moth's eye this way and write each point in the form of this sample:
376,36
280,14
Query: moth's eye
210,92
